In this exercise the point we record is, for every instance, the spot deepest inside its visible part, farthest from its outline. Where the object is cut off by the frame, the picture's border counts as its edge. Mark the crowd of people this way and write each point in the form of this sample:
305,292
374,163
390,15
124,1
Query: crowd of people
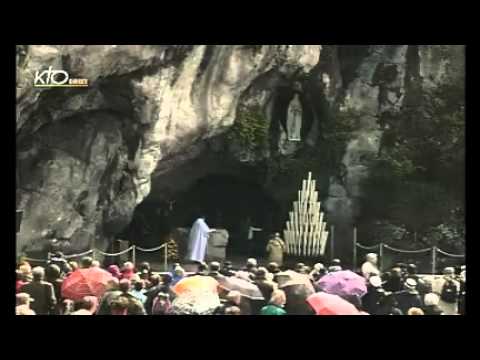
138,290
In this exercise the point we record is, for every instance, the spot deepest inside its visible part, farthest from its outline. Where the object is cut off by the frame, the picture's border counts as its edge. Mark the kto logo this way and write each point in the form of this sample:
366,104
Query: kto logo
57,78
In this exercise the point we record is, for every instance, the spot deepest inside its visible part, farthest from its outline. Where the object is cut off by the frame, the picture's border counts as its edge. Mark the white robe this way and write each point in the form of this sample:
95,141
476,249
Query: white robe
197,240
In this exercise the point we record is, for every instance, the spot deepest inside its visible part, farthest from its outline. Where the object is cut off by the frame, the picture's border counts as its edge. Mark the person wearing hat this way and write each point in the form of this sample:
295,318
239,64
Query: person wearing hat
335,265
202,269
227,269
214,270
409,297
318,272
58,259
369,267
250,269
370,301
41,291
266,286
300,268
394,283
273,268
178,274
450,292
388,305
23,301
431,307
162,304
275,249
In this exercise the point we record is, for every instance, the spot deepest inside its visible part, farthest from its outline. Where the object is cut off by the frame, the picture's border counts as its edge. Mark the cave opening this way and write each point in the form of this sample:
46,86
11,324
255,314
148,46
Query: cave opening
227,201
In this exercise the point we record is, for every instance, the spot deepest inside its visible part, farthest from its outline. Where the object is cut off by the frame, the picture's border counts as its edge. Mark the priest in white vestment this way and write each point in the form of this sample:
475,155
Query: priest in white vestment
197,240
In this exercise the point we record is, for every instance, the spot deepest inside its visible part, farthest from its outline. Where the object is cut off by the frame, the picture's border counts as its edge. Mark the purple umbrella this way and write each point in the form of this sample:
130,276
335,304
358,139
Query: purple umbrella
343,283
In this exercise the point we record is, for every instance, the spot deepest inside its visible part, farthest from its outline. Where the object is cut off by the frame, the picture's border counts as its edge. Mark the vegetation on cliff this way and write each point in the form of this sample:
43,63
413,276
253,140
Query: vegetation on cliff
417,181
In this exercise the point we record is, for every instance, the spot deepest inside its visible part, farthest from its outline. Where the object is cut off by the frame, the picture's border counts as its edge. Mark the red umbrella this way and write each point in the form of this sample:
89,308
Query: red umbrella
328,304
85,282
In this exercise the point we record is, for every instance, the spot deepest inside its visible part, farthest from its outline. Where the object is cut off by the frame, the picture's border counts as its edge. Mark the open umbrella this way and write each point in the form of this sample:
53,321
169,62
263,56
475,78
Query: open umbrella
290,278
328,304
85,282
197,302
297,288
343,283
196,283
244,287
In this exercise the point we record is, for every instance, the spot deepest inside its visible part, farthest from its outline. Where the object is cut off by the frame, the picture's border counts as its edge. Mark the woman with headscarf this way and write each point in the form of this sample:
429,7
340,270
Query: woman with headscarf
128,270
178,274
115,271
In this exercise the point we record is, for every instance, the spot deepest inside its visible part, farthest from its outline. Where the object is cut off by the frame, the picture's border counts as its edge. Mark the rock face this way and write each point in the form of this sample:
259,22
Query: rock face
86,156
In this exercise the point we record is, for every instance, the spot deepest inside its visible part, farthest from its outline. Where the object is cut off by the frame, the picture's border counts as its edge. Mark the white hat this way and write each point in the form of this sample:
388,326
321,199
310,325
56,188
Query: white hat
318,266
410,283
449,271
375,281
431,299
252,262
334,268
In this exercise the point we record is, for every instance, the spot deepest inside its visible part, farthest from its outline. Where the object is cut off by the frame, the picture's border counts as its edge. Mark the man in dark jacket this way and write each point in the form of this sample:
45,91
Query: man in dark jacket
52,275
159,285
394,283
214,271
59,259
41,291
135,307
227,269
266,287
375,292
111,294
409,297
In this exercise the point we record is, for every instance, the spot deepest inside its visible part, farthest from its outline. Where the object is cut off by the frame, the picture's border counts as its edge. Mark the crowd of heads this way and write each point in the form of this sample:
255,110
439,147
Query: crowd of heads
137,290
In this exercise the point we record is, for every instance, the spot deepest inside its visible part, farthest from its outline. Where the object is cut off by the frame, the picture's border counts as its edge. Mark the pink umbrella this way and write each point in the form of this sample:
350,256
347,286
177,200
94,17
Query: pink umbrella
343,283
328,304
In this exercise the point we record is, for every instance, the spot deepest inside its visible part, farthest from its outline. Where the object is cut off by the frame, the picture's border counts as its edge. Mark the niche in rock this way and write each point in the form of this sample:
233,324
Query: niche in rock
228,202
292,119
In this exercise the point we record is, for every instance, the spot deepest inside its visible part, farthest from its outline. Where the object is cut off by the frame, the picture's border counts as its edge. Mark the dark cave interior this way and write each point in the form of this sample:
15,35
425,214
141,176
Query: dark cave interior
226,201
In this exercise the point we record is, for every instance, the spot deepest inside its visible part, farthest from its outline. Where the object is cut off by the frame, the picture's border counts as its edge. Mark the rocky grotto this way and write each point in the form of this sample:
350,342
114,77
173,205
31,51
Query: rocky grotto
166,123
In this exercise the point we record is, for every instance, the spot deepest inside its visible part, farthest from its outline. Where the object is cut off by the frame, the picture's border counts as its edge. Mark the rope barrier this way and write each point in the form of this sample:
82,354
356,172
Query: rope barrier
34,260
451,255
367,247
133,247
77,255
115,254
408,251
152,249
